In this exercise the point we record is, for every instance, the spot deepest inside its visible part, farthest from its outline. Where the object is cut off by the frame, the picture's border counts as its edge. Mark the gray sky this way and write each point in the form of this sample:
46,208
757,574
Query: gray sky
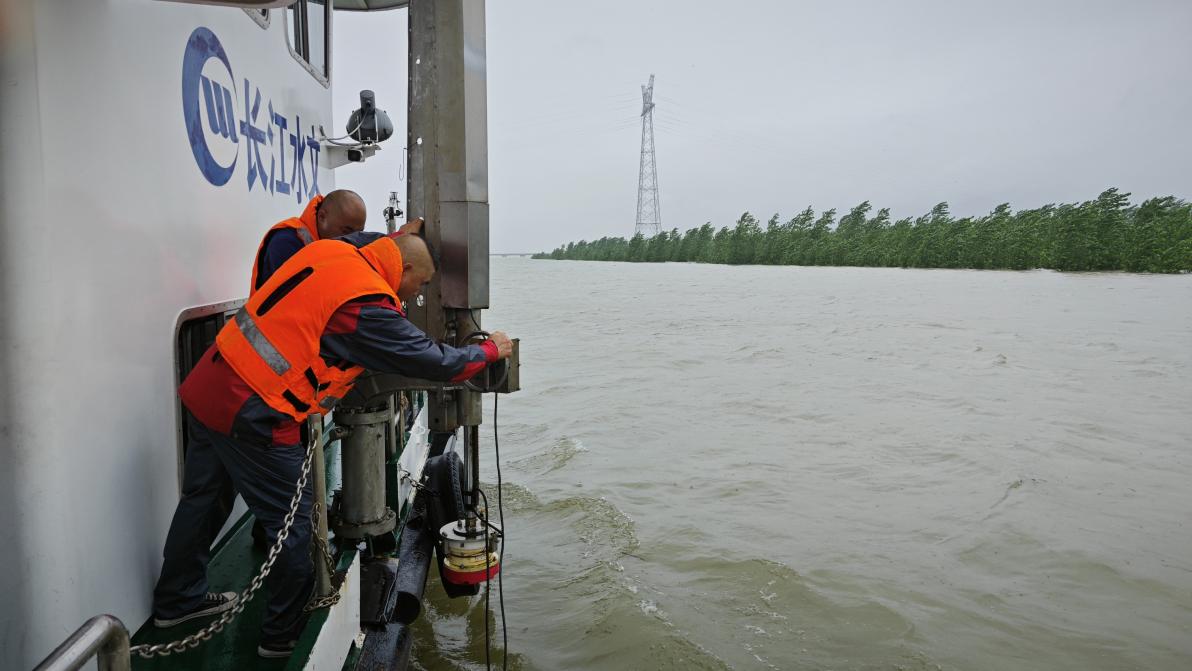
773,106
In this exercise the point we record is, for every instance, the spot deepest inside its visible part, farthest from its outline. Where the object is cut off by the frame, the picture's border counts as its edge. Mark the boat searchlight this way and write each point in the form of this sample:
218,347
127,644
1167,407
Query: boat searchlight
369,124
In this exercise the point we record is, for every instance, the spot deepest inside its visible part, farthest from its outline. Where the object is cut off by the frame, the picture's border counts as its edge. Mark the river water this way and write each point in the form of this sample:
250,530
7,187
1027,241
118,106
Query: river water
715,467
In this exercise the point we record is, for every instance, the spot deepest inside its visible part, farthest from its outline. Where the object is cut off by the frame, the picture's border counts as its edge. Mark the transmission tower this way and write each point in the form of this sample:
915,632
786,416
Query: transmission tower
649,213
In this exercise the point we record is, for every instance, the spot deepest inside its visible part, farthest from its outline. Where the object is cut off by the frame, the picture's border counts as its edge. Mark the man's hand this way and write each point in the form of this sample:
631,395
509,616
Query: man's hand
412,227
503,343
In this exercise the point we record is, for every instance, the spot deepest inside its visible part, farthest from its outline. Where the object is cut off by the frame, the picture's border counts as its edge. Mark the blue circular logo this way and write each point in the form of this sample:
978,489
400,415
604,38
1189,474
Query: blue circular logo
209,106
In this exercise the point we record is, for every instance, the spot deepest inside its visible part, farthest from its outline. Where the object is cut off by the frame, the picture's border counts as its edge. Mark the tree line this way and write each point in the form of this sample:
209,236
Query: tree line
1108,233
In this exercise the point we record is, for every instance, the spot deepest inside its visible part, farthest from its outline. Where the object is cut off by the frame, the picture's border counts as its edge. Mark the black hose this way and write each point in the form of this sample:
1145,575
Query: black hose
501,517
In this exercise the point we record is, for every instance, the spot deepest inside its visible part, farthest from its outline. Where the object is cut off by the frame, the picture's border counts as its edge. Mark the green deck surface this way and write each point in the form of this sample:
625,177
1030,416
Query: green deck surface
234,564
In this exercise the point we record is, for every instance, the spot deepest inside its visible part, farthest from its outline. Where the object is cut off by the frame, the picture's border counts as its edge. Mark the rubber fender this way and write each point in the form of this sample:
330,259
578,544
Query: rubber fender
438,442
386,648
378,584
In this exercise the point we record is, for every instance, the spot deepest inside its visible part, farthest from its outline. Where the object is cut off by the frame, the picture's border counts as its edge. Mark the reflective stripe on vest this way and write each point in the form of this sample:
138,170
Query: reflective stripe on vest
260,343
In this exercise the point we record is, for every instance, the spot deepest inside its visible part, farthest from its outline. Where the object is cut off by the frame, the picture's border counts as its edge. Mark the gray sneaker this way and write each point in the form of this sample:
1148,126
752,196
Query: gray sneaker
276,650
213,603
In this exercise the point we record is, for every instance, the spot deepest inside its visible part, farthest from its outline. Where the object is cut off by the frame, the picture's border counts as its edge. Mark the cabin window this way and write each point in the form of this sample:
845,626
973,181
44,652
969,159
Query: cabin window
308,34
260,16
194,333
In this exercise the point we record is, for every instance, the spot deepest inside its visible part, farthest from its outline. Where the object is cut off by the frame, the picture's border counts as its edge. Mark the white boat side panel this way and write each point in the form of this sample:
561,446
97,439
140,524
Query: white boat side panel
111,229
413,459
21,170
342,625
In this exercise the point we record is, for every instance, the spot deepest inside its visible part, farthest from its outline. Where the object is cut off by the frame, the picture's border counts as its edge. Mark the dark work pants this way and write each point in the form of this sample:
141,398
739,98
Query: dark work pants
265,477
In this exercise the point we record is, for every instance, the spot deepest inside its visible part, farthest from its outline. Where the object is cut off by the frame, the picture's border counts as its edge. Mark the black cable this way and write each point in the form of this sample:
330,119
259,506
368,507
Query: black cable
484,518
487,582
501,533
501,517
485,335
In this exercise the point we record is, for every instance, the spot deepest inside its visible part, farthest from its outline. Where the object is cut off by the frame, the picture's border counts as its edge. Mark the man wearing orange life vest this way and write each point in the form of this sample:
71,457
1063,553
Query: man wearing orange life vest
294,349
338,213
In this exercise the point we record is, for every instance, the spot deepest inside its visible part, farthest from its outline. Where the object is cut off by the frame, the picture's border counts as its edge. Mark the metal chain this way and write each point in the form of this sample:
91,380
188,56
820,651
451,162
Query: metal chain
206,633
329,600
402,403
405,475
321,544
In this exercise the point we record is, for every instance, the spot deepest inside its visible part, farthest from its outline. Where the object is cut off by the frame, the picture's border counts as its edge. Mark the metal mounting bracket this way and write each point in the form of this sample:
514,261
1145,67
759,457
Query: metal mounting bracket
338,155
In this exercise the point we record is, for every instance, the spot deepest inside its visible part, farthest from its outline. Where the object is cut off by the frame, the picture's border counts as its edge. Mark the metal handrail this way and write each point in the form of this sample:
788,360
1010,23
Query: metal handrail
103,637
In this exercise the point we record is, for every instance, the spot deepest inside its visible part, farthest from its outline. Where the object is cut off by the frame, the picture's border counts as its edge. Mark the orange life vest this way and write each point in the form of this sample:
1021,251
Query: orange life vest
273,341
306,226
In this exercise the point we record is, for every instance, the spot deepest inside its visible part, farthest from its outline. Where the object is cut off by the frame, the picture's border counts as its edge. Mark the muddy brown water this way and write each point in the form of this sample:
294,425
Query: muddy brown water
714,467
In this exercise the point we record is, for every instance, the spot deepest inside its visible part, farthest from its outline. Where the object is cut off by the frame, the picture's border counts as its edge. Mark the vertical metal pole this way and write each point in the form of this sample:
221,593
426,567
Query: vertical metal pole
422,184
468,462
391,426
363,454
474,457
319,474
391,214
448,177
361,507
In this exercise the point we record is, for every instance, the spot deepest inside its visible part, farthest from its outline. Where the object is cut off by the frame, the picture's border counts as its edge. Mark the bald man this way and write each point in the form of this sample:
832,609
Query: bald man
243,436
338,213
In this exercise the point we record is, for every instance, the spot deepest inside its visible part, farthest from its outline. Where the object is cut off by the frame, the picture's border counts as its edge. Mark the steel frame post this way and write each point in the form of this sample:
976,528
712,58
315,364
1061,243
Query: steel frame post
448,175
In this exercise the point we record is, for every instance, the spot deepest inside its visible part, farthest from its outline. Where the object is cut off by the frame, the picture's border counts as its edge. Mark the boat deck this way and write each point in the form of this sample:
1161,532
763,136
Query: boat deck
233,565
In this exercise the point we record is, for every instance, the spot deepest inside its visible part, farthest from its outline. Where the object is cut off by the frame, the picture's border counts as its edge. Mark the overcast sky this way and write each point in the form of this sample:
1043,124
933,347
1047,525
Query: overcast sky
773,106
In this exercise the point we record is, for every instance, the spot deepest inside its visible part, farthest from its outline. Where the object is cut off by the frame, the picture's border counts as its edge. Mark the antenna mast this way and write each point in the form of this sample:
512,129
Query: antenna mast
649,216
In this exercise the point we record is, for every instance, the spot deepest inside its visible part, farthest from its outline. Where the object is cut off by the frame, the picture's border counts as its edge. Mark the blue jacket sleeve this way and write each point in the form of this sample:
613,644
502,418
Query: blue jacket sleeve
361,238
384,341
281,245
